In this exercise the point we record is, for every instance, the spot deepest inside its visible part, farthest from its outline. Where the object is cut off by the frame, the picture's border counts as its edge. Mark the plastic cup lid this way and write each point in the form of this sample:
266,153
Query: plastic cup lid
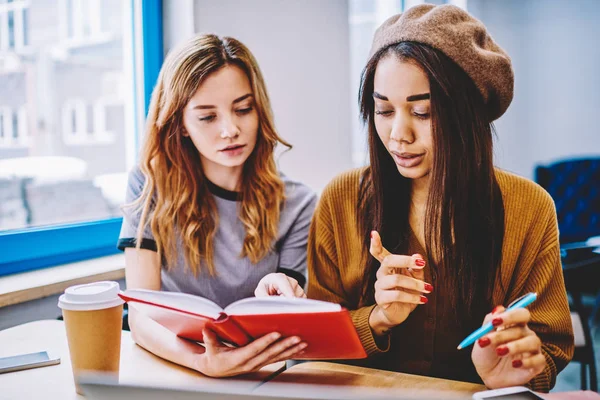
91,296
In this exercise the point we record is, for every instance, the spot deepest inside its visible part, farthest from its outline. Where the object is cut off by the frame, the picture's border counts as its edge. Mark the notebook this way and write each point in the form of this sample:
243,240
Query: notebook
326,327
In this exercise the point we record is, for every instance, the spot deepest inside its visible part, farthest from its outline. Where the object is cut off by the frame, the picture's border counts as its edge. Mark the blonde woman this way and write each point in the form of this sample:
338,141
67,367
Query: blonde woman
209,213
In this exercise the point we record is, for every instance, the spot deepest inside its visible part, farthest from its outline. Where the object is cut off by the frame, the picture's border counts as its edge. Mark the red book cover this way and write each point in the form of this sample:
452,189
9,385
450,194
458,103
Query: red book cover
325,327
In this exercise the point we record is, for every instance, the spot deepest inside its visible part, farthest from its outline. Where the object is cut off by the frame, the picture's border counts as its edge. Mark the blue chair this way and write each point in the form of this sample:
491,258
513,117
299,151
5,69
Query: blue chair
575,188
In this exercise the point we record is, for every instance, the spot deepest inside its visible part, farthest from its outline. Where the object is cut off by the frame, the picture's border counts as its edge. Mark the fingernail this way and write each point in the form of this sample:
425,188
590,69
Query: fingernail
484,341
276,336
496,309
304,345
428,287
372,233
502,351
296,340
517,363
419,262
424,300
497,321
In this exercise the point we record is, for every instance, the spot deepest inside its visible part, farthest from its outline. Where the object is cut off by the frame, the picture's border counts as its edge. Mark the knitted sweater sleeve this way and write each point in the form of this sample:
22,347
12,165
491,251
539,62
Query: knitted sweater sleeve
550,316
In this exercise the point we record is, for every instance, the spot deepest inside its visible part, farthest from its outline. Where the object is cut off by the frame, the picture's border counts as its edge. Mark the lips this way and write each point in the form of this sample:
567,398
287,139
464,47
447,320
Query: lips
233,147
233,150
407,160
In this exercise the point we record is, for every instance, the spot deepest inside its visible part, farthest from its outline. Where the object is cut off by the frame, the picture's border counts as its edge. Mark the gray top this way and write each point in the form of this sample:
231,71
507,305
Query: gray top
236,278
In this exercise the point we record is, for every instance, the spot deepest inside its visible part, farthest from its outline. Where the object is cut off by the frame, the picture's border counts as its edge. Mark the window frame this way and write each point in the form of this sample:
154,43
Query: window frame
40,247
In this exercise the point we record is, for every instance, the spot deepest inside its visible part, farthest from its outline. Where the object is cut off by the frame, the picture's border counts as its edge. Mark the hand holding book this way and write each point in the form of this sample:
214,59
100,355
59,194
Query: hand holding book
325,327
220,360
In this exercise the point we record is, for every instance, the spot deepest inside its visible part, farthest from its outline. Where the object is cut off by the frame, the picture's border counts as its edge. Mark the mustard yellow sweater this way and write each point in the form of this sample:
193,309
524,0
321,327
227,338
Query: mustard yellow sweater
425,343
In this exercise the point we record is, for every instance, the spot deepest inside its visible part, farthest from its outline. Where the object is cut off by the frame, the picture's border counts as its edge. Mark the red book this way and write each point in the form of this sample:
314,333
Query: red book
325,327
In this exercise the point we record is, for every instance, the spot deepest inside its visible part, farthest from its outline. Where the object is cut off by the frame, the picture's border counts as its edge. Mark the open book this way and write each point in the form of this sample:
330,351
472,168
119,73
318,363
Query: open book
325,327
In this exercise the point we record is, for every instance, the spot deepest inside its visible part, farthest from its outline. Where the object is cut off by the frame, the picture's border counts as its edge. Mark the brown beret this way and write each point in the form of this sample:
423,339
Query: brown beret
461,37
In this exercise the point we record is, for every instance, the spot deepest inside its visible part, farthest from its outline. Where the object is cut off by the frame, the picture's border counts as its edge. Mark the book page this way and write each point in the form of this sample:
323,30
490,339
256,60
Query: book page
178,301
279,305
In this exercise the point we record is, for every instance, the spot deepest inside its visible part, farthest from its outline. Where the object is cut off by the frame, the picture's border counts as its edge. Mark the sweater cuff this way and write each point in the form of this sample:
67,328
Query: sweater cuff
546,379
360,319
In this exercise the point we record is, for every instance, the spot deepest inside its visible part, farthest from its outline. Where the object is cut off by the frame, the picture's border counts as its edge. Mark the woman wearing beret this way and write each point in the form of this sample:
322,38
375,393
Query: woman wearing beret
446,237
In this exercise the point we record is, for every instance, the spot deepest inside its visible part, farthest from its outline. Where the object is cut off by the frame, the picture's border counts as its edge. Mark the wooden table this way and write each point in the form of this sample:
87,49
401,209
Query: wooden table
141,367
56,382
349,382
387,383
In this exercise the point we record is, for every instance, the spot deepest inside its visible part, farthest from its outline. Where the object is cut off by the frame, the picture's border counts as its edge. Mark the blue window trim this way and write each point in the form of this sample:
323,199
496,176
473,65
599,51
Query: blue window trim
40,247
152,32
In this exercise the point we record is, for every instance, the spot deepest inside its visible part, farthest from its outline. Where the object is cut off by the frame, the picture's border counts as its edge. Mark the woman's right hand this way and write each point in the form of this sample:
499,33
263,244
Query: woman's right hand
399,286
221,361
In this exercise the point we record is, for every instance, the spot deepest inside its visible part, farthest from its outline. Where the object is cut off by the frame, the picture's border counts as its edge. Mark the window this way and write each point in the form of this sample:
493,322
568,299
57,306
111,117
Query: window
84,22
365,16
14,16
70,108
85,124
13,128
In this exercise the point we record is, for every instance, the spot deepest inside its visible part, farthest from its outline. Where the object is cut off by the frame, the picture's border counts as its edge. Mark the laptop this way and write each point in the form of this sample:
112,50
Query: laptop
101,388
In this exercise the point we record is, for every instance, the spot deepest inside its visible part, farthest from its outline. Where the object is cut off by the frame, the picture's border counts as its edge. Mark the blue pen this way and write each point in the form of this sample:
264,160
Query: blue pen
521,302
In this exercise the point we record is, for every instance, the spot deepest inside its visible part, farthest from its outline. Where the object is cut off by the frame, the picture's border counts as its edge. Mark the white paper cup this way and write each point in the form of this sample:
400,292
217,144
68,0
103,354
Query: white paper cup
93,315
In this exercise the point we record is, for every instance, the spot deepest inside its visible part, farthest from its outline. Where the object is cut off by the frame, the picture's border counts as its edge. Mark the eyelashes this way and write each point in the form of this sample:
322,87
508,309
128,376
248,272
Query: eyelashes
207,119
241,111
422,116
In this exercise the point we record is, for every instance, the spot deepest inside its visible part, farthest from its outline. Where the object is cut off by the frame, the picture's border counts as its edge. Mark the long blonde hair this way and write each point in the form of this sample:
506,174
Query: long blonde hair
175,200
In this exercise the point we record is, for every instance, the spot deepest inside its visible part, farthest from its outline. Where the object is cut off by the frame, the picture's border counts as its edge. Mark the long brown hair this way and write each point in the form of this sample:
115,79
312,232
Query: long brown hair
176,201
464,223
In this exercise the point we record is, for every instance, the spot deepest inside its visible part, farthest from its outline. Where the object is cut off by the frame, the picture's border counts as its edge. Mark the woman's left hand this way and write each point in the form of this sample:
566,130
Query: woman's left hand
511,355
278,284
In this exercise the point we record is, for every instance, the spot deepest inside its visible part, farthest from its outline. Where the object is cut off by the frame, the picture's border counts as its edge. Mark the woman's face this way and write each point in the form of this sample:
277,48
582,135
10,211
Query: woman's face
403,116
222,121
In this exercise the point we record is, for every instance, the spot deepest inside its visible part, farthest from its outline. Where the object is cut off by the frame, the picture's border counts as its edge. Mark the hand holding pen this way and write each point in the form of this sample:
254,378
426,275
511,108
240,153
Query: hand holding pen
507,352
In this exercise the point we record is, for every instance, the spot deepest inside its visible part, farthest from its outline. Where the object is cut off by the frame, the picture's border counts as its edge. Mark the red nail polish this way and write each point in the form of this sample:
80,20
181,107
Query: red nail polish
424,300
497,321
419,262
502,351
496,309
428,287
484,342
517,363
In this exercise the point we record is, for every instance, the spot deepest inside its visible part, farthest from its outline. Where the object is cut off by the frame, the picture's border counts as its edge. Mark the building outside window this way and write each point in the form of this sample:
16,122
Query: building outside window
66,106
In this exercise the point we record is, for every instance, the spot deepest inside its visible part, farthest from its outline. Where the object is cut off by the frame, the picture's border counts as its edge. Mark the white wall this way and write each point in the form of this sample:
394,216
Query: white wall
302,47
303,50
556,56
